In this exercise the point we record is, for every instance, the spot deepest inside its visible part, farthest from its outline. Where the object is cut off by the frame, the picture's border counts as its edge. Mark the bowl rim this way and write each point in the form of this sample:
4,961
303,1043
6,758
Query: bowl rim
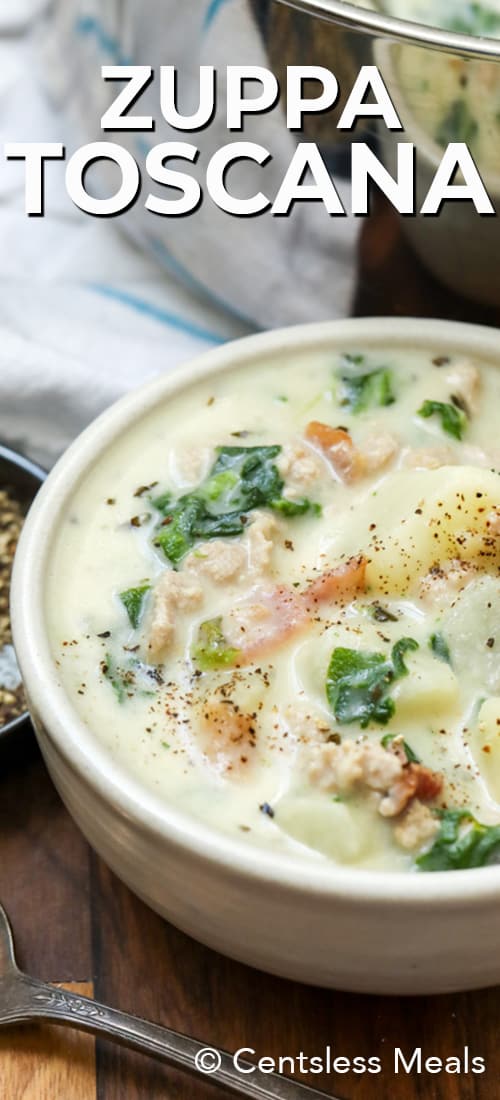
38,475
389,26
72,739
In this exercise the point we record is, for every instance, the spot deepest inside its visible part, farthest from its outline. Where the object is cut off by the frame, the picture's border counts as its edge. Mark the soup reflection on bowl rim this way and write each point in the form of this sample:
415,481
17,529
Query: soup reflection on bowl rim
127,823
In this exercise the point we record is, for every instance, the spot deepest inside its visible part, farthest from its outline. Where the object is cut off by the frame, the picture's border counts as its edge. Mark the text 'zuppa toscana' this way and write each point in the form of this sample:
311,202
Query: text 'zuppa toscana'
275,600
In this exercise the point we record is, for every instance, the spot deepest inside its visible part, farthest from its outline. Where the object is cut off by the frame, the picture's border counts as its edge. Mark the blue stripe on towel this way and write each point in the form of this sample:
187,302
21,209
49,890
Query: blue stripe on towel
212,12
185,275
157,313
88,26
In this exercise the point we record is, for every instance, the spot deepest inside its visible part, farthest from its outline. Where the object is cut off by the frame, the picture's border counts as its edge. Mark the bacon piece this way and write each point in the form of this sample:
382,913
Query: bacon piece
416,781
429,783
347,460
271,615
344,581
338,448
416,826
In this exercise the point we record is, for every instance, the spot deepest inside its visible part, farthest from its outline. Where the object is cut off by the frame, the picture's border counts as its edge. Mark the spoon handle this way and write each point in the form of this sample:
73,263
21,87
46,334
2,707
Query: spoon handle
38,1001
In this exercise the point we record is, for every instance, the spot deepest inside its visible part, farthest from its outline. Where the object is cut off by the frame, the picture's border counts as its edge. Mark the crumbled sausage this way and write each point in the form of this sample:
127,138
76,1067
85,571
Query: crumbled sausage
306,725
416,826
174,592
415,781
220,560
190,465
343,768
260,541
301,467
378,449
427,458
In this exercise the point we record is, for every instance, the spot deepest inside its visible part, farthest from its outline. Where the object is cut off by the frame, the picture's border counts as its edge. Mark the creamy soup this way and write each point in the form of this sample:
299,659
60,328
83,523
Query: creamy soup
476,17
276,602
454,99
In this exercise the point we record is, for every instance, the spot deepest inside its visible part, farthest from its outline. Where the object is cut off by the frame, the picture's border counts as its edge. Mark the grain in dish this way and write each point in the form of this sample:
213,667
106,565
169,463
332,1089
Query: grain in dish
276,603
12,700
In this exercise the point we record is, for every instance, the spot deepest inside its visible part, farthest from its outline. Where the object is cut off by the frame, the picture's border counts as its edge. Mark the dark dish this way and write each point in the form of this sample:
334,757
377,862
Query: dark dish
20,480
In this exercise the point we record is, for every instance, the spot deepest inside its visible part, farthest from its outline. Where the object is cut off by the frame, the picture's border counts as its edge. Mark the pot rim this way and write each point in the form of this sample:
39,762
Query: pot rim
388,26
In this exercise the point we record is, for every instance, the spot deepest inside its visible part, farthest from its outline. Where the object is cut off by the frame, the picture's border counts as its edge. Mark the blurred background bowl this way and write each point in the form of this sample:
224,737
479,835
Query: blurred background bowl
24,478
445,87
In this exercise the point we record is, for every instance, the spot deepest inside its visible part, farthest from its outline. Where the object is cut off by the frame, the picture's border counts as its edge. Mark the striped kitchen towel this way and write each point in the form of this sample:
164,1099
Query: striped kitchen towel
90,307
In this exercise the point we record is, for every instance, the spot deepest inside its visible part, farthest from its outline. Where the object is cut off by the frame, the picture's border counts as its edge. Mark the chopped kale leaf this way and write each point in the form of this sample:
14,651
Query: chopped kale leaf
358,683
162,503
462,843
405,645
133,677
361,389
248,475
299,507
241,479
453,420
115,676
411,756
176,534
382,614
227,525
440,647
356,687
133,602
211,650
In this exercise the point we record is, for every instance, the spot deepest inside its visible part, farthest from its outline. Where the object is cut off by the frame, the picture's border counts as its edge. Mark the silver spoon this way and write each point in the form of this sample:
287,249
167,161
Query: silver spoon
26,1000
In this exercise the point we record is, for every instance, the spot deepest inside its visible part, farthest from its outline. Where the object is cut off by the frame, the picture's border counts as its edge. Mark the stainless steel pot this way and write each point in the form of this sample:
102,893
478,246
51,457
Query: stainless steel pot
446,87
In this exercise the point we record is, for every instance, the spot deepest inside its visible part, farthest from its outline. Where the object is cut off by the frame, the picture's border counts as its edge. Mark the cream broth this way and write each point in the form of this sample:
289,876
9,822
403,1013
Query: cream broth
276,602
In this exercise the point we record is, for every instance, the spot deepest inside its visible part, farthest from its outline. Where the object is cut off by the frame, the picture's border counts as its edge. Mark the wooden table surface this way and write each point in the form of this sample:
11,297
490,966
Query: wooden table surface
75,923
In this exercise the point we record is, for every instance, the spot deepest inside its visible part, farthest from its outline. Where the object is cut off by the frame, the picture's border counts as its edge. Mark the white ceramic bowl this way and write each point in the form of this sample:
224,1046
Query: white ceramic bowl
355,930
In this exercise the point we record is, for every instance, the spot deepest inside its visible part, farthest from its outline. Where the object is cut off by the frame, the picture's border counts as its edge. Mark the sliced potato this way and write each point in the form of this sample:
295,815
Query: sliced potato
472,629
485,745
416,520
342,831
429,691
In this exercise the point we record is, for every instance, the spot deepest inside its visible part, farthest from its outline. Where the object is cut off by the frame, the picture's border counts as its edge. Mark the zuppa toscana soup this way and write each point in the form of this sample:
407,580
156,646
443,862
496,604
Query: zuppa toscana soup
275,600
